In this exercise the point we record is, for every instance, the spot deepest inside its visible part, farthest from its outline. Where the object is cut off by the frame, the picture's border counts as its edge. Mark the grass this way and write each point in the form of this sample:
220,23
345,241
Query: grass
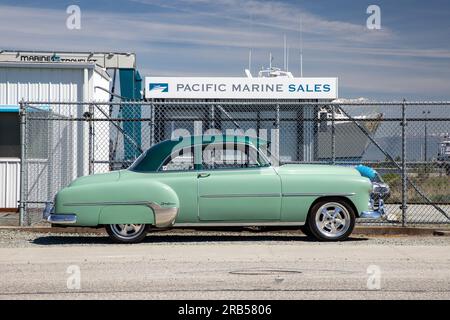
437,188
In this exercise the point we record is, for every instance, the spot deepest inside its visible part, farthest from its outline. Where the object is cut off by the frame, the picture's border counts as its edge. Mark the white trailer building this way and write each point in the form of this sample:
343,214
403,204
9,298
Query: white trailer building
46,82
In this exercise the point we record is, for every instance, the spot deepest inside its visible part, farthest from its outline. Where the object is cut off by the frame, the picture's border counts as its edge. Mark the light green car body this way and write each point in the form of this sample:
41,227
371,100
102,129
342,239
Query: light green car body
241,196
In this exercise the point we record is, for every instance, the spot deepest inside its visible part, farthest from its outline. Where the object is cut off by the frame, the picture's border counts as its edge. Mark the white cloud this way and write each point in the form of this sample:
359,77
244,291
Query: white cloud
45,28
274,15
199,37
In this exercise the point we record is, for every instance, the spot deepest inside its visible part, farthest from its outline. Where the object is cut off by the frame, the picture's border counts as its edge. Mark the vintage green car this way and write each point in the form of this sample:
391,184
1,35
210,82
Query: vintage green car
217,181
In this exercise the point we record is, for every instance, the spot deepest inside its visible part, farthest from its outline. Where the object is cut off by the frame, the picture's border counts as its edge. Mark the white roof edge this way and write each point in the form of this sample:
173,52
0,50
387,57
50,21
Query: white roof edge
58,51
53,65
56,65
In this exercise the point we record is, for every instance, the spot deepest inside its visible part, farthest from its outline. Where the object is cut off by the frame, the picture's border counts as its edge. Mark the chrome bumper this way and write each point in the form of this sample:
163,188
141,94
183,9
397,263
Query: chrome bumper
374,214
62,218
51,217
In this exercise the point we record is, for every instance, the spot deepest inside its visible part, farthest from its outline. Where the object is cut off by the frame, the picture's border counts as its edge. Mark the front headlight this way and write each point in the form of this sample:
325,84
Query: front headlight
380,190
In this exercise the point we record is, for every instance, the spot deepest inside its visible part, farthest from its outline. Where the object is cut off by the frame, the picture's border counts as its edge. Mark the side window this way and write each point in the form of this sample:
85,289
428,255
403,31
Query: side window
230,156
181,160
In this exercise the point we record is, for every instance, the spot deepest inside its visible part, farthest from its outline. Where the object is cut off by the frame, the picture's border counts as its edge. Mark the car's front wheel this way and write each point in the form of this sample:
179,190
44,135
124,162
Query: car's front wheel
331,220
127,233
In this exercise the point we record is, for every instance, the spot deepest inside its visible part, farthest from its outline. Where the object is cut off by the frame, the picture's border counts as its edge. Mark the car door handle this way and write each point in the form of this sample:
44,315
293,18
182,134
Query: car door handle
203,175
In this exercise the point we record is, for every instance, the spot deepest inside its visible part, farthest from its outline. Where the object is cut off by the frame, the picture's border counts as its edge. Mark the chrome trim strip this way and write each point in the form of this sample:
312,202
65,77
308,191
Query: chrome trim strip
242,195
62,218
164,217
318,194
236,224
233,195
106,203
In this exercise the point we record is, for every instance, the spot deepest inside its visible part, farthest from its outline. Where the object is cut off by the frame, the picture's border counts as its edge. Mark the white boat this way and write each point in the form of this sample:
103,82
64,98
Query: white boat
444,150
350,141
444,154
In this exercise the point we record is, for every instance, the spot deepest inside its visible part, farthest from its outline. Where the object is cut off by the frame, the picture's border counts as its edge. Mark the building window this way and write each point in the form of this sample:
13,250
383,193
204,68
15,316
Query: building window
9,135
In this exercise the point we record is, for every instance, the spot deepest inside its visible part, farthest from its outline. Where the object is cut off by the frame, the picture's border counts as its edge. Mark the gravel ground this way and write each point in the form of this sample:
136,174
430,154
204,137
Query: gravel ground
20,239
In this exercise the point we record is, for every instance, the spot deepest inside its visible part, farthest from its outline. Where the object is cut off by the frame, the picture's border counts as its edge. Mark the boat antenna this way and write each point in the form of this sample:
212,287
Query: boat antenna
285,54
301,47
250,49
287,58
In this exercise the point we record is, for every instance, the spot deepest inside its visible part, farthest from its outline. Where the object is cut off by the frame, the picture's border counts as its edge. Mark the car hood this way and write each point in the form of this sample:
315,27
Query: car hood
316,169
96,178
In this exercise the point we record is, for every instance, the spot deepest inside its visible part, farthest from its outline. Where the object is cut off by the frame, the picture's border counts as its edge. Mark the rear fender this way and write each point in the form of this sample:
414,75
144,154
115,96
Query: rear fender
149,202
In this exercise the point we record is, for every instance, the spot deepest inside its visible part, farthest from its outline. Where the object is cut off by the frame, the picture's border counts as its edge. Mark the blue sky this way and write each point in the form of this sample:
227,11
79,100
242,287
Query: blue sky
409,57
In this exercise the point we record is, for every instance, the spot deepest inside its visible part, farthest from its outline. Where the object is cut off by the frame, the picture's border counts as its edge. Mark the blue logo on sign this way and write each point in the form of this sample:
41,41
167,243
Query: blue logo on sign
159,87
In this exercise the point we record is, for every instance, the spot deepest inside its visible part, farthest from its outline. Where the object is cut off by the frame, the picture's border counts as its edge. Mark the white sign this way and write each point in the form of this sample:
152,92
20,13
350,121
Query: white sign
241,88
105,60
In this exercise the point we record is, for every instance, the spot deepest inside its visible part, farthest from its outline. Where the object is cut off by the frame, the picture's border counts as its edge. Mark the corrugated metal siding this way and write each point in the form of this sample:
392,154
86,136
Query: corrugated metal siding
9,182
39,84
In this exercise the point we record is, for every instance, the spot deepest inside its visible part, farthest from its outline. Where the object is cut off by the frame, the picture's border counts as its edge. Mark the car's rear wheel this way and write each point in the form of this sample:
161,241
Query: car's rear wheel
127,233
331,220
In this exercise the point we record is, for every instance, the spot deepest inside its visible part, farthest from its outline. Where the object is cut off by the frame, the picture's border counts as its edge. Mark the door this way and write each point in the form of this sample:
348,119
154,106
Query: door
236,183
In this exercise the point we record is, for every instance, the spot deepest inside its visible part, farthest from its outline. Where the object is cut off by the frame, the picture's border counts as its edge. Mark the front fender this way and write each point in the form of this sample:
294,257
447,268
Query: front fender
300,191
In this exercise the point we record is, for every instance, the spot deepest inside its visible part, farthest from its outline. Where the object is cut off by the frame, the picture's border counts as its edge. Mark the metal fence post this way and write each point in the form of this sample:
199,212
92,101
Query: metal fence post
152,124
333,136
212,124
277,134
404,182
91,139
50,154
22,203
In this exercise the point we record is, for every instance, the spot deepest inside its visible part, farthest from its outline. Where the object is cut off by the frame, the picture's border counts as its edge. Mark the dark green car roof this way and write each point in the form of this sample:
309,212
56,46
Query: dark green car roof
151,159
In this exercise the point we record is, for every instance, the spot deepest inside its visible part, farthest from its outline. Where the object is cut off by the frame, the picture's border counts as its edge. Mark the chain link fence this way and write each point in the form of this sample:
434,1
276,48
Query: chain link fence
406,142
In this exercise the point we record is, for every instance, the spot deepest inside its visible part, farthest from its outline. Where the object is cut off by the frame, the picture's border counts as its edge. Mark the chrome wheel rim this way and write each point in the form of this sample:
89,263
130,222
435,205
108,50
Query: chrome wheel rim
127,231
332,220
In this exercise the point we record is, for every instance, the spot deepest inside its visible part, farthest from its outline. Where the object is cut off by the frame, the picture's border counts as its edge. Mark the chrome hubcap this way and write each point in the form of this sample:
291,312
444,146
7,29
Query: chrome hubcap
127,230
332,220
